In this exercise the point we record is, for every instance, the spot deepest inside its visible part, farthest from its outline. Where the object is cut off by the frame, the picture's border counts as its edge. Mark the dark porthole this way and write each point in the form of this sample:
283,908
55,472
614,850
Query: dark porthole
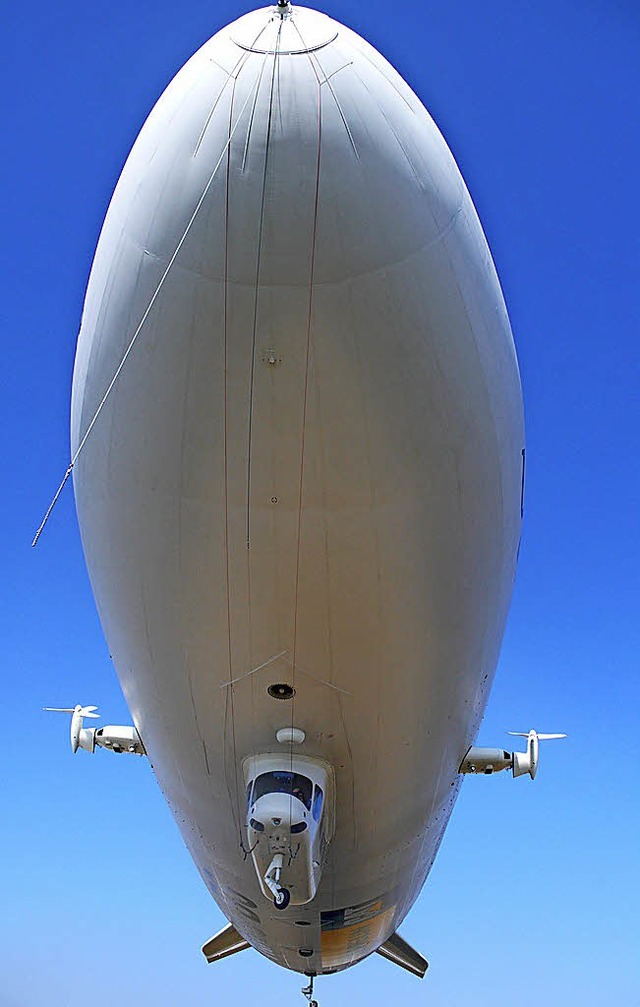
306,952
280,690
303,923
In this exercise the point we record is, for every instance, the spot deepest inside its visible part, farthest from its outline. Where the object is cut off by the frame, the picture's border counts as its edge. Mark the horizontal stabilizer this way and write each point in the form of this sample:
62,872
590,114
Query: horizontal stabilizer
226,942
400,953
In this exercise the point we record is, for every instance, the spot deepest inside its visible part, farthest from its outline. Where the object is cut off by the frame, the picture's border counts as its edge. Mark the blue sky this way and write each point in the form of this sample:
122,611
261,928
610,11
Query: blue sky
535,891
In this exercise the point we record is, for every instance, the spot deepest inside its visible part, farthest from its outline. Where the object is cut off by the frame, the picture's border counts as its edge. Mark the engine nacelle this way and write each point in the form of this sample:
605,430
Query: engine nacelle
116,739
119,739
486,760
492,760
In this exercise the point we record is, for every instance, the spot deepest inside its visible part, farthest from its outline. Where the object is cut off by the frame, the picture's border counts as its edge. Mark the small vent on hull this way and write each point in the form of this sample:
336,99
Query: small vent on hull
281,690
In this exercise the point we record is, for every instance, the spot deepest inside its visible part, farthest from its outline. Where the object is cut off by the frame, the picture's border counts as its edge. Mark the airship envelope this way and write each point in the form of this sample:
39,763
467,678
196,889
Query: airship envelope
299,486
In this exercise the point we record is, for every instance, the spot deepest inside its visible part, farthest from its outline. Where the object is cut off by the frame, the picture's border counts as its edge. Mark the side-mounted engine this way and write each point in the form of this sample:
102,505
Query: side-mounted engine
493,760
116,739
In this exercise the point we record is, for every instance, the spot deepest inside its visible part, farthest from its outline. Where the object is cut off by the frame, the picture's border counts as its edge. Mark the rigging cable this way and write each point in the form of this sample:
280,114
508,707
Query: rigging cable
231,690
305,396
145,315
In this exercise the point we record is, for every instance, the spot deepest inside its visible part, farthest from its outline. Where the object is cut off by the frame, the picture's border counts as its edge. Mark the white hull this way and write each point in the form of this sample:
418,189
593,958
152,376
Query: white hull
309,469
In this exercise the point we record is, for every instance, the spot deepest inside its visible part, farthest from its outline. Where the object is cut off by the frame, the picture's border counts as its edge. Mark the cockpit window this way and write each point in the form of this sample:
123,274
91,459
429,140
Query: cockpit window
317,803
282,782
249,795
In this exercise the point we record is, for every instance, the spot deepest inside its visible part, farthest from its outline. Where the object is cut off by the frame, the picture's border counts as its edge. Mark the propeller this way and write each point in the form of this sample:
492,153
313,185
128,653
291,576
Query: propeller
524,734
527,762
77,714
84,711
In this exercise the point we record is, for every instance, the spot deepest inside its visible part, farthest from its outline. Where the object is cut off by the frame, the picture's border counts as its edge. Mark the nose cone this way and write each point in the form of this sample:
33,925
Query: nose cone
301,30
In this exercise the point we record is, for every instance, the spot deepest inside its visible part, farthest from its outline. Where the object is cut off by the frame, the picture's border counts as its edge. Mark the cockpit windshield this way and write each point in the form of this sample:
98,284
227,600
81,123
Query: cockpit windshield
282,782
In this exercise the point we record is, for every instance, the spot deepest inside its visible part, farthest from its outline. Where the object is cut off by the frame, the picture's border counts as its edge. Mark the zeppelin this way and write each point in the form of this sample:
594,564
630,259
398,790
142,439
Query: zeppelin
298,443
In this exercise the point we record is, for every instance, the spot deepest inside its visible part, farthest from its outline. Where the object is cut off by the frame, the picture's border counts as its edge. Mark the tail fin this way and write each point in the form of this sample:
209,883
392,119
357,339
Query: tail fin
396,950
226,942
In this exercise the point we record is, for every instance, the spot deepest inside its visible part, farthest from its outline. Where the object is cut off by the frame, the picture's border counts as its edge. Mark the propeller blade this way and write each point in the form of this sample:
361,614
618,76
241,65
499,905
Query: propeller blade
541,737
84,711
88,711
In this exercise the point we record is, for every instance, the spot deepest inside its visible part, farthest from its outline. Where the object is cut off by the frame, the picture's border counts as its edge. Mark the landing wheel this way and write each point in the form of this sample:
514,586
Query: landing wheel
282,898
313,1003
